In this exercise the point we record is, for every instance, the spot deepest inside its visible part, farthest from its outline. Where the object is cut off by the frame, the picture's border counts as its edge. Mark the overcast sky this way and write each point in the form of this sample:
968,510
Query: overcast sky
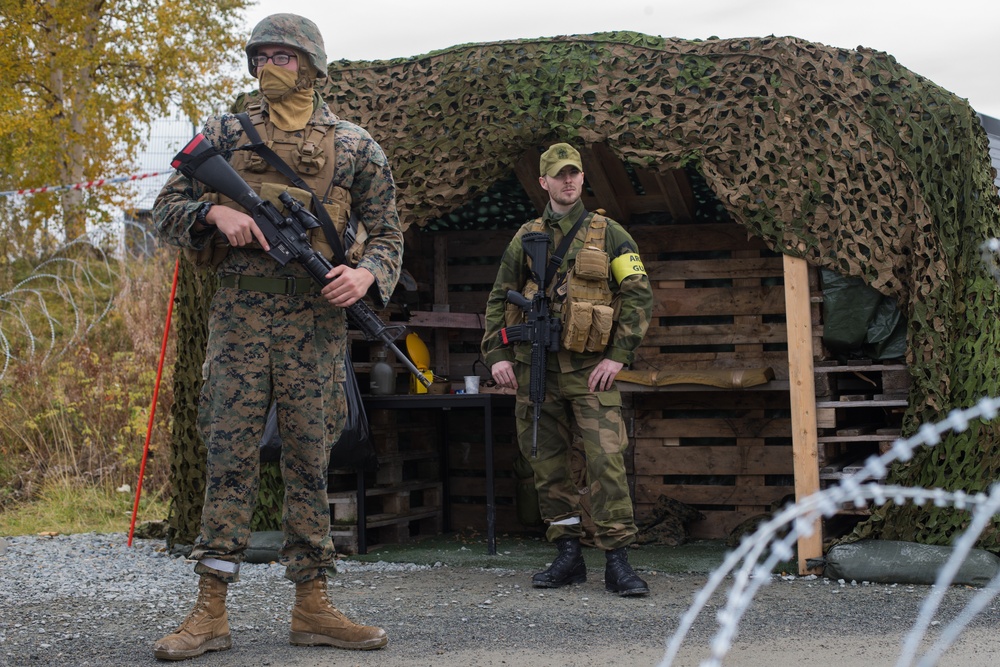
954,43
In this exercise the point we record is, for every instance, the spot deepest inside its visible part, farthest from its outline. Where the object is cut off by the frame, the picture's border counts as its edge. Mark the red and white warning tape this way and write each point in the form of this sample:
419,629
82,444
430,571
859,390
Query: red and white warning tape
83,186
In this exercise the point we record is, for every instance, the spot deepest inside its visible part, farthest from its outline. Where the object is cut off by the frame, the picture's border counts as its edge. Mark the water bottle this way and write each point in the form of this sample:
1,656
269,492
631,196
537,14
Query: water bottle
383,377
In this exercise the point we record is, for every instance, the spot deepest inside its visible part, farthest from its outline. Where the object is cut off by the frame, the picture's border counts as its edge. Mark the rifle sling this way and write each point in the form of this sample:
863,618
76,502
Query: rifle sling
258,146
557,257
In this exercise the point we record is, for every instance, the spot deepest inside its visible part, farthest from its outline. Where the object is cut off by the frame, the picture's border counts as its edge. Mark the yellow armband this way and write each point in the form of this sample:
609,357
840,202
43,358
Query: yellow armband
629,264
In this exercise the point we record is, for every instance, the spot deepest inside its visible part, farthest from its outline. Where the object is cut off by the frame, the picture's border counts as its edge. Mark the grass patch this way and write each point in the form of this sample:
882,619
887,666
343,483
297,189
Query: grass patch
83,351
67,506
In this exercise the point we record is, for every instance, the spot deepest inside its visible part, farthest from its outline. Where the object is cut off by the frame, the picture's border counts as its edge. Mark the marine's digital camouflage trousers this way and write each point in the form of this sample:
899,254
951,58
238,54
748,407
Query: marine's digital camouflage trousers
570,407
261,346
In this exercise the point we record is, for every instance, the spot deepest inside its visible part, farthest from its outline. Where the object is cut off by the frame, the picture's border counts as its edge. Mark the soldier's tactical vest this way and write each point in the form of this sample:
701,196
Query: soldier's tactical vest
311,153
583,301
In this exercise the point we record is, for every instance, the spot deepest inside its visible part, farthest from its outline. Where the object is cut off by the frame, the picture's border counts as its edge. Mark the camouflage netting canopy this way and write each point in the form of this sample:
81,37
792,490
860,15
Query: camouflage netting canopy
843,157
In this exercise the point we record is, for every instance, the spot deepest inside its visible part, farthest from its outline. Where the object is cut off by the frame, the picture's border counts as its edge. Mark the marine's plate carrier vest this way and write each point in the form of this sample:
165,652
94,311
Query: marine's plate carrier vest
311,153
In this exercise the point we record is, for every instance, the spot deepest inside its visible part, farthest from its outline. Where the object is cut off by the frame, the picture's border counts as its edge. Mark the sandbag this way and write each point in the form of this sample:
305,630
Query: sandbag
264,546
894,562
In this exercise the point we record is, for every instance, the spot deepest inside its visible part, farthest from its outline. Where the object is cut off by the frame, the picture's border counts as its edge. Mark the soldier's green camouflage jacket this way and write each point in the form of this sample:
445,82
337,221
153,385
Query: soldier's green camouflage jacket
634,292
570,410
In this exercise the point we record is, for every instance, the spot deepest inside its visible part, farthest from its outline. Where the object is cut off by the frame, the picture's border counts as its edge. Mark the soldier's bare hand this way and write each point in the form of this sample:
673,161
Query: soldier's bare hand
503,374
603,376
237,226
347,285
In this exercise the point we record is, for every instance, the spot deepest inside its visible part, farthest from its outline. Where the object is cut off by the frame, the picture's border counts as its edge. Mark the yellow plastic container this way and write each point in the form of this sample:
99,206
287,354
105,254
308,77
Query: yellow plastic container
416,386
421,359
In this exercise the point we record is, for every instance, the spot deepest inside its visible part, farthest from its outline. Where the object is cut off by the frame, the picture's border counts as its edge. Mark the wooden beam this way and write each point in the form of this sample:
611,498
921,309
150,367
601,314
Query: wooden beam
436,320
668,191
615,169
596,169
805,445
680,197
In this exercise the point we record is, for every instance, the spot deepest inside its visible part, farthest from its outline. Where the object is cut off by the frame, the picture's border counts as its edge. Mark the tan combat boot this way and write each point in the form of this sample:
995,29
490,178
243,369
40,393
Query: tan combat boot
206,628
316,622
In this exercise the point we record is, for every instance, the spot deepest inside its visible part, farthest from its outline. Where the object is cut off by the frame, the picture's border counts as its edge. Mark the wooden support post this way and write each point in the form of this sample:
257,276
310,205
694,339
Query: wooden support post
805,446
441,363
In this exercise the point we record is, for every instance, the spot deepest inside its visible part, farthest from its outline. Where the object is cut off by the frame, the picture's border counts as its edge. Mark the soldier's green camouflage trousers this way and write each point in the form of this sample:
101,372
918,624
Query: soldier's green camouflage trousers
263,345
570,406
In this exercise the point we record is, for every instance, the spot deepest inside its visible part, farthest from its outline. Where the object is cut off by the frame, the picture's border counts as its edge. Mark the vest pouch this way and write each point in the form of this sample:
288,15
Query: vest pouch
270,192
600,328
591,264
256,164
209,256
578,317
318,242
309,159
339,210
577,313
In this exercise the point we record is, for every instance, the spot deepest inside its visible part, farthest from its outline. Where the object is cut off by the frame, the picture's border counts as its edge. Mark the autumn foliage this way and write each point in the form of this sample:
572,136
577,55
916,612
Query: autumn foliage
82,81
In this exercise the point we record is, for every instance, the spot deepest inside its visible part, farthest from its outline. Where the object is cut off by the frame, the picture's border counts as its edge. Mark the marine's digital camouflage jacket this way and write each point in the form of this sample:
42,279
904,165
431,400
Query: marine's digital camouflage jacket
361,168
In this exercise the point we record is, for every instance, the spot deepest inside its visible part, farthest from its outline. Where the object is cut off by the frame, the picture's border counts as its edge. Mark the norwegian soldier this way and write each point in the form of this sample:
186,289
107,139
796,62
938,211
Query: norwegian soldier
273,334
602,299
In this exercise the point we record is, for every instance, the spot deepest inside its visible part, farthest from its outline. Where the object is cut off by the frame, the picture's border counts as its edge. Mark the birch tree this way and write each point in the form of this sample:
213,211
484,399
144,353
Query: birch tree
80,83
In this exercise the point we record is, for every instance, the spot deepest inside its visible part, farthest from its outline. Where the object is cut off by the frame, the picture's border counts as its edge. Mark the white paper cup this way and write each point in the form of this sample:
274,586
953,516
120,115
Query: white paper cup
471,384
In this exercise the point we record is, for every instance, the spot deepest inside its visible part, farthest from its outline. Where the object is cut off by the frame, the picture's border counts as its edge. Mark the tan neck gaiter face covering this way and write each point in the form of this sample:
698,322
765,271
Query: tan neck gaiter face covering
290,103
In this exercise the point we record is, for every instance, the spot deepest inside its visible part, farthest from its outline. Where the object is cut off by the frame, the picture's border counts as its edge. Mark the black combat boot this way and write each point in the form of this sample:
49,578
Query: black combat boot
619,577
567,568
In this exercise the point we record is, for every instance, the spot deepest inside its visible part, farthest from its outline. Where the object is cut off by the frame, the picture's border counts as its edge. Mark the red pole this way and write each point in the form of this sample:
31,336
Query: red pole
152,407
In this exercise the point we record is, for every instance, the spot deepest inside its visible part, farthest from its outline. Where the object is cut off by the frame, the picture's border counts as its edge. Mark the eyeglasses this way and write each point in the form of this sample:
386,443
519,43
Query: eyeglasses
279,59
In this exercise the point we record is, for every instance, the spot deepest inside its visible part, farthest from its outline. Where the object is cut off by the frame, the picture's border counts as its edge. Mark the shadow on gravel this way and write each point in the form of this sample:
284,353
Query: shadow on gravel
529,553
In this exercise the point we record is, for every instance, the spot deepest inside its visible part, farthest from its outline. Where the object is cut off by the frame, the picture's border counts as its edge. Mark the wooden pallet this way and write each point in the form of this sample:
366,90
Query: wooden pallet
403,497
728,454
718,305
393,514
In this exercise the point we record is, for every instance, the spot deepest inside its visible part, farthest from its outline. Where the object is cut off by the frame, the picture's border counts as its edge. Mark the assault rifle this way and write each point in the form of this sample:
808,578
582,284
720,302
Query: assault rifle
541,329
287,236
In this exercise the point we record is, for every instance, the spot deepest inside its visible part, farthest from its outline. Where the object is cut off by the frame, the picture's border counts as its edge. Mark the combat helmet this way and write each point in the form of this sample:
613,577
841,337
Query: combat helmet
293,31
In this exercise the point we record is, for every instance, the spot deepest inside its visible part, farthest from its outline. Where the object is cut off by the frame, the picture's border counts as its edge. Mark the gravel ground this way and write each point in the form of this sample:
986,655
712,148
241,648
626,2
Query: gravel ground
89,599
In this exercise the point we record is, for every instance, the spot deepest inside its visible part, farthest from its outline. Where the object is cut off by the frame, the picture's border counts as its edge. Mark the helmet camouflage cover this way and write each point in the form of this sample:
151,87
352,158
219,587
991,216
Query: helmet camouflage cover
293,31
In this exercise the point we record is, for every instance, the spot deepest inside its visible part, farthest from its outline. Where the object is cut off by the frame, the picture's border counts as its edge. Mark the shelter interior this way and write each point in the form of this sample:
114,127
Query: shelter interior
707,402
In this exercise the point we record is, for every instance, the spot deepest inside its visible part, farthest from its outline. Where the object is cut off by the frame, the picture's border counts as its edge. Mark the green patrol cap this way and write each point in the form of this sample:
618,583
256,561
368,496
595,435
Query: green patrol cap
557,157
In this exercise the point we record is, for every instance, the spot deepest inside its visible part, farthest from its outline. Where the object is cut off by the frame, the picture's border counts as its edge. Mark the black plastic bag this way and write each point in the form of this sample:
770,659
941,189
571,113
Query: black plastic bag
353,450
860,322
270,442
354,447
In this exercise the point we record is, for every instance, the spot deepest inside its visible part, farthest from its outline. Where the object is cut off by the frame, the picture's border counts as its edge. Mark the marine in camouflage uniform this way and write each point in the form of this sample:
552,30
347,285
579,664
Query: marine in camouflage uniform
580,393
273,337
